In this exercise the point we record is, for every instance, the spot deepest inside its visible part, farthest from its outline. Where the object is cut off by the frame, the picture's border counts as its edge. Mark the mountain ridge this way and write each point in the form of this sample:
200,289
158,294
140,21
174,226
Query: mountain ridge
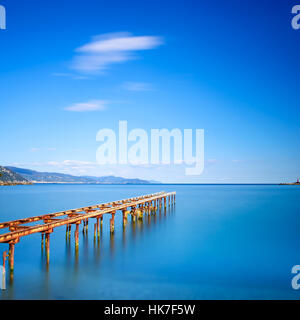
9,177
55,177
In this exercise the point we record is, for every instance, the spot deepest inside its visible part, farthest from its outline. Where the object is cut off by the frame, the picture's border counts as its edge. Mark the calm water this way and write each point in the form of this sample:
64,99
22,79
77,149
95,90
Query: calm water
219,242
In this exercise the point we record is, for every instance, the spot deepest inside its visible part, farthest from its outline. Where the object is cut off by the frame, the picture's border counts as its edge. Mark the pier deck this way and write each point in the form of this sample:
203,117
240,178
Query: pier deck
48,222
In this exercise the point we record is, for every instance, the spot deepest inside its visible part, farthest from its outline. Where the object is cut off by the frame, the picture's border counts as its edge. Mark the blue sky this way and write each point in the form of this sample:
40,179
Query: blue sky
228,67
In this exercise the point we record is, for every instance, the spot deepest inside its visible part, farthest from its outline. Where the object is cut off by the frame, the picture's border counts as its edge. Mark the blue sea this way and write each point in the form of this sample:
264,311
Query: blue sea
217,242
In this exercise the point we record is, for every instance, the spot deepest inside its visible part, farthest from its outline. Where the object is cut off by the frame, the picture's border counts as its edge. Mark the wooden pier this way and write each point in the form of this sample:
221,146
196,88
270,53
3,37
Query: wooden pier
45,224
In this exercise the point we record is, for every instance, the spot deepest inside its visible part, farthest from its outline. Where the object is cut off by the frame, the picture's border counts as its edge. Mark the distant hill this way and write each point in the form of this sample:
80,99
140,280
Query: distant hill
9,177
54,177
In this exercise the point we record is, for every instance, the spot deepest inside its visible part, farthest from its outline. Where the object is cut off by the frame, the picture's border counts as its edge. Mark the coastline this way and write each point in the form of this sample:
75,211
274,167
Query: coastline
14,183
289,184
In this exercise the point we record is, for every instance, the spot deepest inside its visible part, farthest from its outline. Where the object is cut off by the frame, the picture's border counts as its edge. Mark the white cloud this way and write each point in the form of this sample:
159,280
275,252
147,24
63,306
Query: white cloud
42,149
92,105
72,166
70,75
137,86
77,163
107,49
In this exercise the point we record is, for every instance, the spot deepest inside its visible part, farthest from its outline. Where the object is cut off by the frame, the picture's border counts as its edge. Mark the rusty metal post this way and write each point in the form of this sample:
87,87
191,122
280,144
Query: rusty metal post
98,227
42,242
11,256
112,223
47,247
140,215
76,235
95,230
124,217
146,208
133,214
4,256
69,231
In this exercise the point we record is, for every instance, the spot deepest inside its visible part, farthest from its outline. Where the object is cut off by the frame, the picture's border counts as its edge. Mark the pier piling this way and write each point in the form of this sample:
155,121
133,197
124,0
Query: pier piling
45,224
47,247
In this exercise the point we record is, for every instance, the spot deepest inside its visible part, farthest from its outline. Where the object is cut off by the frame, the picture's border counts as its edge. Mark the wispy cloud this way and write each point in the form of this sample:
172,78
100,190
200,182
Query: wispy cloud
237,161
73,164
41,149
70,75
93,105
137,86
108,49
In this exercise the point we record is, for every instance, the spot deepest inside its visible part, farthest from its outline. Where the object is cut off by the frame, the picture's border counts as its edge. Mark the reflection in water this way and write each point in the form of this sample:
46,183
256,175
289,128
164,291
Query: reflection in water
97,250
132,231
124,236
112,244
85,236
76,259
145,264
68,251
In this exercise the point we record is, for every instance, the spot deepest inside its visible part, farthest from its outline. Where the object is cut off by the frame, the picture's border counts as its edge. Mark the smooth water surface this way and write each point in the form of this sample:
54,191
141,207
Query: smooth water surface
218,242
